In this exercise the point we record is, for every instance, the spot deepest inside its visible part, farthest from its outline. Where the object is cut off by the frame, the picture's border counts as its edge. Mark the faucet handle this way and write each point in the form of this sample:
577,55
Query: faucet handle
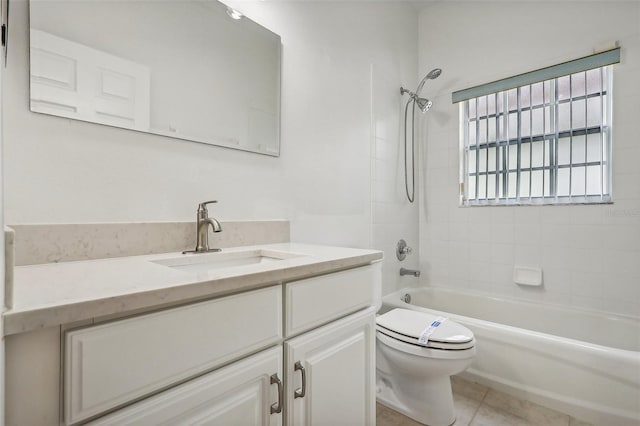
402,250
203,205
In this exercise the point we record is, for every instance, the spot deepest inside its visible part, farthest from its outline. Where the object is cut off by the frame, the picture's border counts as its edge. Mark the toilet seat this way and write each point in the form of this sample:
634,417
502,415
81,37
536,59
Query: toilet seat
407,325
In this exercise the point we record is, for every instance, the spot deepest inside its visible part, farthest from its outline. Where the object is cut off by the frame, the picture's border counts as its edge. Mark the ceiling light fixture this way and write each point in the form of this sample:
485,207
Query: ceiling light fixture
234,13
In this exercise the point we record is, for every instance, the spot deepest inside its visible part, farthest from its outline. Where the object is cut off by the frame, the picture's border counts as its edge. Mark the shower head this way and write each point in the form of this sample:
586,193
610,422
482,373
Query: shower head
423,104
431,75
434,73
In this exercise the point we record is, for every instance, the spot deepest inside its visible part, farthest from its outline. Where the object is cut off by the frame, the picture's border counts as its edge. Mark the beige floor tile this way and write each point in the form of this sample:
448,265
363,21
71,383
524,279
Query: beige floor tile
575,422
489,416
465,409
477,405
385,416
467,388
534,413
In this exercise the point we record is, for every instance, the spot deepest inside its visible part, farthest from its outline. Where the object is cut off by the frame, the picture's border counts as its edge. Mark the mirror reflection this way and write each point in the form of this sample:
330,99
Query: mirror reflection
180,68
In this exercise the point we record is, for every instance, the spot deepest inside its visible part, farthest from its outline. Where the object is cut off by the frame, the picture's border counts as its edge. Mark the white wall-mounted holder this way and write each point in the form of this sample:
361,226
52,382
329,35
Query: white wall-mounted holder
526,275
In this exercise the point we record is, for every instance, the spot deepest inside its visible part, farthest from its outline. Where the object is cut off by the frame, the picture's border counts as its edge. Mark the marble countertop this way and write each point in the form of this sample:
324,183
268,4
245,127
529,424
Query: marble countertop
63,293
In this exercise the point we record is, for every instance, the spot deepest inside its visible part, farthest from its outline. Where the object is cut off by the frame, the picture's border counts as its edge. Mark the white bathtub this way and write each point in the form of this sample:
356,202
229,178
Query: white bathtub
580,362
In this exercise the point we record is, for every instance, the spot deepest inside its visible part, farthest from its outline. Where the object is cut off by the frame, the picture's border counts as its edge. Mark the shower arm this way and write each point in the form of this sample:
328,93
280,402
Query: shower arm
411,94
405,91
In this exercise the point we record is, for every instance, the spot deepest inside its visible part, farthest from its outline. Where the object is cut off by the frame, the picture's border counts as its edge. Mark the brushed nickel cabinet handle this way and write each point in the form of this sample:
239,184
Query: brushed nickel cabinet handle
276,407
300,393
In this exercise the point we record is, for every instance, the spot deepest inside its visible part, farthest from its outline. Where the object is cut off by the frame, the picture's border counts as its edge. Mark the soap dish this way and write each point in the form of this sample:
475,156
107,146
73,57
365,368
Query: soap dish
525,275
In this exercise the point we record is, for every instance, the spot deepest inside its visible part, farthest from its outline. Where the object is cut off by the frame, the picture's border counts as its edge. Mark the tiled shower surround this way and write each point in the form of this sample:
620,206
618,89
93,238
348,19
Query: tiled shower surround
589,254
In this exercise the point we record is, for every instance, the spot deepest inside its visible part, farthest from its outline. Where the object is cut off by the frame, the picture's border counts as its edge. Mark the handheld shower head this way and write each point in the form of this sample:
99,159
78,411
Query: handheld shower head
434,73
431,75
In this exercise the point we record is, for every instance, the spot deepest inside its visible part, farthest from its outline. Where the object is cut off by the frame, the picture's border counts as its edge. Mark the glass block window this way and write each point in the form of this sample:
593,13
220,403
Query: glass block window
548,142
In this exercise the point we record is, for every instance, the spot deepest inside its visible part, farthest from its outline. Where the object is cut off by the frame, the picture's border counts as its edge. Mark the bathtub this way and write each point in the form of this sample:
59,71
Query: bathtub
583,363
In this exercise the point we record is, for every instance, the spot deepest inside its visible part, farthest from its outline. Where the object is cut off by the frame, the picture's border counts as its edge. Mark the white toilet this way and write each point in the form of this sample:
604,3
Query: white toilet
413,377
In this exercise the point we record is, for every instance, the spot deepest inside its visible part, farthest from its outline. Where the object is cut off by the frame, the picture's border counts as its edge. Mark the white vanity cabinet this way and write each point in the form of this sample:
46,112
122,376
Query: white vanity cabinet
296,353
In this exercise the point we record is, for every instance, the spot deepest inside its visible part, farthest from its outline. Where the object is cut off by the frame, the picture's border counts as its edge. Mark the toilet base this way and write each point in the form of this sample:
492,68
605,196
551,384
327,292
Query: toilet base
440,410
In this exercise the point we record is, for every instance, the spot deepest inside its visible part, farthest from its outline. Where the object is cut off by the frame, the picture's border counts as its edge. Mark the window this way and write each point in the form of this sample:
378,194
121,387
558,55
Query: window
539,138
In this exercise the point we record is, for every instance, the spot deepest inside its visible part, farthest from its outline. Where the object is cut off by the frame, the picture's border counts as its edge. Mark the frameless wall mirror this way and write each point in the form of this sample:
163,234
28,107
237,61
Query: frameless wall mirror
186,69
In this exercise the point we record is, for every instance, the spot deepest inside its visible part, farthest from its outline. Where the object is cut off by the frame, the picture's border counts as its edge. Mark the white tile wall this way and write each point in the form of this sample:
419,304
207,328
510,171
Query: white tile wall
590,255
393,216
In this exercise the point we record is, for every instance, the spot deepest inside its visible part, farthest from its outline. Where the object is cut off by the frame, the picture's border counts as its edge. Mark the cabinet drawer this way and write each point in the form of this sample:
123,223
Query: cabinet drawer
238,394
318,300
112,364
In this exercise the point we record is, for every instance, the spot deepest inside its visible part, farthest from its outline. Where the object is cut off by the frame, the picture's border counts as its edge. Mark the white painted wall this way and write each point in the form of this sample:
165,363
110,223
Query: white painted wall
64,171
589,254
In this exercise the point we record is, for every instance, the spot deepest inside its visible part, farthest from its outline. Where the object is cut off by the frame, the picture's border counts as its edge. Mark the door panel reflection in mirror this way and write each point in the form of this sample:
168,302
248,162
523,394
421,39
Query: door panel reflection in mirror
177,68
76,81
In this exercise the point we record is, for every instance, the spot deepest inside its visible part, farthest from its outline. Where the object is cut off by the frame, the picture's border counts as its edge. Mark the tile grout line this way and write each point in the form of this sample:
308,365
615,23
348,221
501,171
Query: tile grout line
508,412
475,413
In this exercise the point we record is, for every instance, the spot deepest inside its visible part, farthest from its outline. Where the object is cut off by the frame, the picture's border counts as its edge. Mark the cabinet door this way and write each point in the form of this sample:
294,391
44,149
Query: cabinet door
240,394
338,363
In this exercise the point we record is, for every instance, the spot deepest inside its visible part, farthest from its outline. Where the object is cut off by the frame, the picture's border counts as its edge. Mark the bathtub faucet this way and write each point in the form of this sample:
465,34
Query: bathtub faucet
405,271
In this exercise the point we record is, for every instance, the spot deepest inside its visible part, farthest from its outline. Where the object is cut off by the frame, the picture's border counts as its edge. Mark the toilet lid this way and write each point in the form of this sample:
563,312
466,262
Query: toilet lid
407,325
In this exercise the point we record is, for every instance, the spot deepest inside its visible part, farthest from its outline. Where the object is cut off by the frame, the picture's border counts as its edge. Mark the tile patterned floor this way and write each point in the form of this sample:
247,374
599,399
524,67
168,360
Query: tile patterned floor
478,405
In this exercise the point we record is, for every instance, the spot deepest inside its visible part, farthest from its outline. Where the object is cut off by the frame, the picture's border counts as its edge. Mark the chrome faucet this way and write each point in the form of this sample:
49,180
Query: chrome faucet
203,222
413,272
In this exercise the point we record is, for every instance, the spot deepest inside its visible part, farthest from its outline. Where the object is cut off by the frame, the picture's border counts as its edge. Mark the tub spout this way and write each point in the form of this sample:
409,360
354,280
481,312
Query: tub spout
405,271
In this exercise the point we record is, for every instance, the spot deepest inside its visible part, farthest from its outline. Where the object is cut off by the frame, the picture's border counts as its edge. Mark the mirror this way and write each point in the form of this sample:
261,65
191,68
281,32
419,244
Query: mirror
179,68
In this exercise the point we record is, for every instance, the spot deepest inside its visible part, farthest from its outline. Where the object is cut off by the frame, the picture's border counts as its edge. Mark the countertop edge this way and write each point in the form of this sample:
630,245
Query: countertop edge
136,302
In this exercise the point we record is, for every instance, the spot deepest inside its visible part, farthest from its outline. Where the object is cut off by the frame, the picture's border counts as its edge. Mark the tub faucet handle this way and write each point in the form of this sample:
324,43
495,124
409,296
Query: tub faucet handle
402,250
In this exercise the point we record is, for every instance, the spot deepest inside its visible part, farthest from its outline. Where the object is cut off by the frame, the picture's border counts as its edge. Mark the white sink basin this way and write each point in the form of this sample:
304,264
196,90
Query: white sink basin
195,262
